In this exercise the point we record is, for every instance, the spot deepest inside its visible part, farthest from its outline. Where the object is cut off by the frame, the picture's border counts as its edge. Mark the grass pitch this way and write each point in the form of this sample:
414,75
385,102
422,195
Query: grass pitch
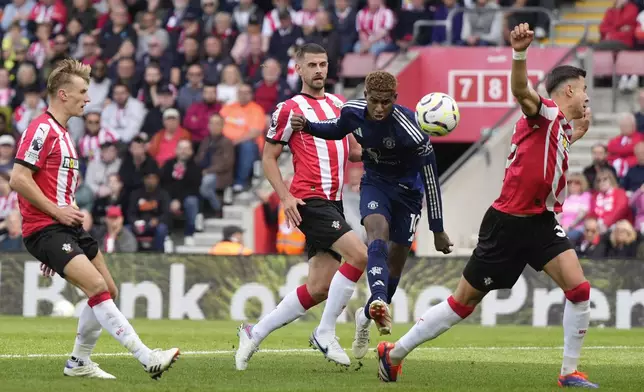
468,358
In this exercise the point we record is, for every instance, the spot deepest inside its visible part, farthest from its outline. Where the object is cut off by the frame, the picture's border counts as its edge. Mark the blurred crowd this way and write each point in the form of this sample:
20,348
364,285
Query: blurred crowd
604,212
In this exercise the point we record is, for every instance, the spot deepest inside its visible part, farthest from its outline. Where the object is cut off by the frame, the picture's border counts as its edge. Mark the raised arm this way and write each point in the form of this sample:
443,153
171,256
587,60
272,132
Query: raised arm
528,98
334,129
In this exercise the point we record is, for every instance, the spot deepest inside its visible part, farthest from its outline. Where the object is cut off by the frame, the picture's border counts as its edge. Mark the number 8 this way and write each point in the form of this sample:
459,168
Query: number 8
495,89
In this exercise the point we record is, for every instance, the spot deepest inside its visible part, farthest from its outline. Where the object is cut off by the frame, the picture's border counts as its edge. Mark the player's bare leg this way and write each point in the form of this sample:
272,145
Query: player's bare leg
82,274
566,271
434,322
342,286
377,307
88,332
322,267
396,262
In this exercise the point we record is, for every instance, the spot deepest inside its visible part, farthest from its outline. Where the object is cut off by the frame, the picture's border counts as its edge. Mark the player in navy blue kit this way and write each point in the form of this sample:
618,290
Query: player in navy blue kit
399,165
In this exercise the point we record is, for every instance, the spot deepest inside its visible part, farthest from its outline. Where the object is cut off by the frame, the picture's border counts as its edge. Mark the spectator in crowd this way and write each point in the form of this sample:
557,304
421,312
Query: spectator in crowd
163,145
190,28
586,244
272,88
230,81
199,113
14,47
149,210
12,240
325,35
622,242
152,80
599,155
232,244
84,195
403,33
621,154
637,204
216,157
89,145
214,60
344,21
8,201
576,206
6,91
242,14
285,38
41,50
181,178
137,161
157,53
98,170
617,32
125,115
114,237
7,153
146,29
272,21
305,17
126,70
374,23
26,77
16,13
153,121
244,124
99,88
224,30
351,200
115,32
254,60
32,107
115,198
183,61
85,13
639,115
89,50
241,48
482,28
209,9
192,91
610,203
635,176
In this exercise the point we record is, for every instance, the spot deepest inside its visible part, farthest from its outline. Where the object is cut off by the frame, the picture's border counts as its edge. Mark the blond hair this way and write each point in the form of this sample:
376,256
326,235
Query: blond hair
583,181
63,73
628,228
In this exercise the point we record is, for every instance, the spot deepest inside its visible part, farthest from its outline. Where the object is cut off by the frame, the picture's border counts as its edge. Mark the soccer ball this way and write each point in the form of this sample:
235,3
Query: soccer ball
63,308
437,114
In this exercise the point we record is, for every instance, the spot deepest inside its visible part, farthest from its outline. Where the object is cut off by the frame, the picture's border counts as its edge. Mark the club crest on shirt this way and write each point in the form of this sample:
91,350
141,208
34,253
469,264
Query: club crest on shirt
389,142
565,142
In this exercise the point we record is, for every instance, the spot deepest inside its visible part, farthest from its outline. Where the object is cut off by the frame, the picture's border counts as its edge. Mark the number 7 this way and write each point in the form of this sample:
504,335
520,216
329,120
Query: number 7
466,85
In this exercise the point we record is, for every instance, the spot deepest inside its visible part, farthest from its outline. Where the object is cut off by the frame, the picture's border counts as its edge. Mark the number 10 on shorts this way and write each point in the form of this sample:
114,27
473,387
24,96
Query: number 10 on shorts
485,88
413,223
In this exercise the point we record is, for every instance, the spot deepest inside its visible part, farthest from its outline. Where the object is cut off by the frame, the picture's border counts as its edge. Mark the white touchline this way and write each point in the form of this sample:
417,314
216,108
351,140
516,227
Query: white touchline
312,351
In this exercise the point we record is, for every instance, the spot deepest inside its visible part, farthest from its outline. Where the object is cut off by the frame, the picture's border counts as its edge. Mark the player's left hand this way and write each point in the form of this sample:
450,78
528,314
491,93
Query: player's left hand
521,37
46,271
442,243
298,121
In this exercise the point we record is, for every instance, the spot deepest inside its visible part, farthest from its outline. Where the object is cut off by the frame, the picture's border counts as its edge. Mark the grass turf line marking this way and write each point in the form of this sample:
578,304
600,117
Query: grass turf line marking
312,351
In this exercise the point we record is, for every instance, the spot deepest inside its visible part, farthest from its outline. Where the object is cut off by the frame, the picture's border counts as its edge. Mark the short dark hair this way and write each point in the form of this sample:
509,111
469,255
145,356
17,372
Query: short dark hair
209,84
380,81
309,48
561,74
120,83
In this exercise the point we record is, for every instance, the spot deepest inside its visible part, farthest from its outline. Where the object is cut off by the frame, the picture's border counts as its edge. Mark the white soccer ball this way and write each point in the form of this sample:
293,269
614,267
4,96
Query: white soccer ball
437,114
63,308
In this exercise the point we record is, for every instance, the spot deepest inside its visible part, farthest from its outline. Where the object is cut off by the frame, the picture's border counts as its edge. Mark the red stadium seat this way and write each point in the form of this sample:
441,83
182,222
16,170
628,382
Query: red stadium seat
603,63
630,63
356,65
383,59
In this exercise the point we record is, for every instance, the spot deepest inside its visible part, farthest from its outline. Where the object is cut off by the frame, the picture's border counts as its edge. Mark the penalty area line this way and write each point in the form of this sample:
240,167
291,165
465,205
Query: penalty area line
312,351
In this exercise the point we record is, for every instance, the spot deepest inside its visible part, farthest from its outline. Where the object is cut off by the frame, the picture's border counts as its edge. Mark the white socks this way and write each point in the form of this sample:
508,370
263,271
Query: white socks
435,321
341,289
111,318
289,310
576,318
89,330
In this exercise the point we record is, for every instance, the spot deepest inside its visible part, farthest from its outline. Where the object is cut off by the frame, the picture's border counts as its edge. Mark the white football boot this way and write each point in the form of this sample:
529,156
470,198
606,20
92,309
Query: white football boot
330,347
361,340
160,361
247,346
89,369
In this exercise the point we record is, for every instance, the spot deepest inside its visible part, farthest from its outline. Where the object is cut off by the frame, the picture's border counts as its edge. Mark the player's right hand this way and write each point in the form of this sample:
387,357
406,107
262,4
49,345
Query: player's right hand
442,243
69,216
293,217
46,271
521,37
298,121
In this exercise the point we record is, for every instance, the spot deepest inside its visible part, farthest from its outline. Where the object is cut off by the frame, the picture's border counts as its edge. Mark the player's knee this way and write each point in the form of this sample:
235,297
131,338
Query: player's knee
319,291
95,286
580,293
114,292
376,227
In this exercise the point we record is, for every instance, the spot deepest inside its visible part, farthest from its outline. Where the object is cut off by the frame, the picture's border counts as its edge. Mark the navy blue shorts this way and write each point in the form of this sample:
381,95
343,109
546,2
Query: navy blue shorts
401,207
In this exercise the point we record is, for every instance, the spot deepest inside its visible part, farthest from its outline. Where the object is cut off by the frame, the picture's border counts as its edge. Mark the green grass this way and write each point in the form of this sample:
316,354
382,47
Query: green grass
468,358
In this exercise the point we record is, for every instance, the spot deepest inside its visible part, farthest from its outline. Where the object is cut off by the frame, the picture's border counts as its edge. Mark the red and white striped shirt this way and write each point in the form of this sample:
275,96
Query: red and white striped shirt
37,53
535,171
271,21
319,164
89,146
305,18
374,22
47,149
56,14
7,204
